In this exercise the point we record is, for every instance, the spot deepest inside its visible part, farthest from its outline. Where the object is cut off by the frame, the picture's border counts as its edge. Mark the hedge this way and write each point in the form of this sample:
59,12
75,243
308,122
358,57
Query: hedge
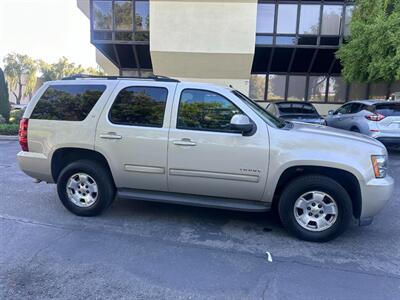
9,129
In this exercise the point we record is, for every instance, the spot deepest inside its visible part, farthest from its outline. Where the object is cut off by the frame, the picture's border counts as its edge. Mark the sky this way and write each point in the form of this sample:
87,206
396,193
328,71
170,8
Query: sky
46,29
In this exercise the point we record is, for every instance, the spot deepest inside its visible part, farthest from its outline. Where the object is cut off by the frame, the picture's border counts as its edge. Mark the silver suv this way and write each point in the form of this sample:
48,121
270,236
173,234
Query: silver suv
376,118
198,144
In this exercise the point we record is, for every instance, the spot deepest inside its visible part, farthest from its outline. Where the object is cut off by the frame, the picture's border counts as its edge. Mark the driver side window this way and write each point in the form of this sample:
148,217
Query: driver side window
206,111
345,109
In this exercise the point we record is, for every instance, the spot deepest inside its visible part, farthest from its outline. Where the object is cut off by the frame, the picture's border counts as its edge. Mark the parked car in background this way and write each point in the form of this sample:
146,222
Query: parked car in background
296,111
376,118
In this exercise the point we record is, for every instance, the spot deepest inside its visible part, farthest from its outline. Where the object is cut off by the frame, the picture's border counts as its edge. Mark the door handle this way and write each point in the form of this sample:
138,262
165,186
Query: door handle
110,136
184,142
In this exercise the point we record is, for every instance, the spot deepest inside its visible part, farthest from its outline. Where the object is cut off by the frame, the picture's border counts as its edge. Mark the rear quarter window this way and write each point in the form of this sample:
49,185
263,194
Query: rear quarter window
67,102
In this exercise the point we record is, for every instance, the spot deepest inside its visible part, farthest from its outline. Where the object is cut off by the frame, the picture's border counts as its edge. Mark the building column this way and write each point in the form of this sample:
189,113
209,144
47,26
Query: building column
208,41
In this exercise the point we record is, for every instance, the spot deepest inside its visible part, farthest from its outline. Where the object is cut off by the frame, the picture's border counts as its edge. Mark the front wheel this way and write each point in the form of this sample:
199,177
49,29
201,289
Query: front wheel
315,208
85,188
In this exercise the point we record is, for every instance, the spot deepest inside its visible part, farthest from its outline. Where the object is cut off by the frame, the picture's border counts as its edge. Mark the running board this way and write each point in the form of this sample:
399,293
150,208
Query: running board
194,200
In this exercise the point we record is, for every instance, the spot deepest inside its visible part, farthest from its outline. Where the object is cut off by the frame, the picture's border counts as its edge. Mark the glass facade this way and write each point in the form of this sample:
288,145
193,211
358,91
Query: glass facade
257,87
337,89
317,88
123,13
347,19
142,16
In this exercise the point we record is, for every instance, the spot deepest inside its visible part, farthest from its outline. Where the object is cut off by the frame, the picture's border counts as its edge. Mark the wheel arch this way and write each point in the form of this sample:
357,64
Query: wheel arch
64,156
345,178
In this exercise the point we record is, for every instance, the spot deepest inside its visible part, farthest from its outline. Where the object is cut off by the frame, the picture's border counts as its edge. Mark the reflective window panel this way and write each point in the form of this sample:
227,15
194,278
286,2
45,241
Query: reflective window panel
276,87
331,19
357,91
102,15
297,87
378,90
142,16
257,86
337,89
123,14
309,19
347,20
287,16
265,18
317,88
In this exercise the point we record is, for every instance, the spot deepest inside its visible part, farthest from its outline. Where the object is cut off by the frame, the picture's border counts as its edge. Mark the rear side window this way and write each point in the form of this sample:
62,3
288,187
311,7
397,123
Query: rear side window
388,109
139,106
67,102
205,110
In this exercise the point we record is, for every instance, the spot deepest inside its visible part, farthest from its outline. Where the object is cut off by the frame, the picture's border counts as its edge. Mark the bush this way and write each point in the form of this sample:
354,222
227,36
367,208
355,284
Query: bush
16,116
9,129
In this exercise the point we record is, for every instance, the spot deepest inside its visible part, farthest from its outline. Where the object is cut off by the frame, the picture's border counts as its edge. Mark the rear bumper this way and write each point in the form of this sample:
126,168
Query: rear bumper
375,194
36,165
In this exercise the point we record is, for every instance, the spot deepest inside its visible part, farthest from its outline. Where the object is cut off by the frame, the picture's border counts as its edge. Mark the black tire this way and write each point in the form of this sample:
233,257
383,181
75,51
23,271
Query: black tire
355,129
308,183
106,189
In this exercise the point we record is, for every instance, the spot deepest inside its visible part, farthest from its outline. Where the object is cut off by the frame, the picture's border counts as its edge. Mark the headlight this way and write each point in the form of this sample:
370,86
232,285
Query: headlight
379,163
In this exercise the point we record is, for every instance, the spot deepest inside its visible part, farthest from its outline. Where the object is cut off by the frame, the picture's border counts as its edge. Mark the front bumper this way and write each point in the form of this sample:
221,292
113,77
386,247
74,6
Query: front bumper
375,194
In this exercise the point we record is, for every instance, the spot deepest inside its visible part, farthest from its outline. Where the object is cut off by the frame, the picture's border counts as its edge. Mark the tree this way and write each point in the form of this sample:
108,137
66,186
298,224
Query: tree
20,71
4,103
63,68
372,52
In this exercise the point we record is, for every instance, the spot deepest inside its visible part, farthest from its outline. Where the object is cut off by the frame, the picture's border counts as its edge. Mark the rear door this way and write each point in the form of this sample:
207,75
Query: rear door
205,157
391,122
132,133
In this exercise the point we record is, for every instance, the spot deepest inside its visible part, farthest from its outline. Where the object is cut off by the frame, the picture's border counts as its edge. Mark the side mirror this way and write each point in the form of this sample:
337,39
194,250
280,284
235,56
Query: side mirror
330,112
242,124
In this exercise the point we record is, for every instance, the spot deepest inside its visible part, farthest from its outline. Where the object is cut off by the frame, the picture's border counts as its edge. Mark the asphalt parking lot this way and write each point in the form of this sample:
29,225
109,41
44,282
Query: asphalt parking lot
140,250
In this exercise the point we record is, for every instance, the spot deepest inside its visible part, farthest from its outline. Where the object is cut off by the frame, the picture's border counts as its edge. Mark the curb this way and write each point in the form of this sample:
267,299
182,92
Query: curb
8,137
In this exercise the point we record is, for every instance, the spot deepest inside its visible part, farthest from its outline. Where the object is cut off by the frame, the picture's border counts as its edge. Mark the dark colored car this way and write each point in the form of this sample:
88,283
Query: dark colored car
296,111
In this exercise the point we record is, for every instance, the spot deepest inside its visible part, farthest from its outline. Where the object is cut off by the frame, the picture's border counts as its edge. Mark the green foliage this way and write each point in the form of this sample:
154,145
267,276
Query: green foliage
9,129
4,102
20,71
373,50
16,116
63,68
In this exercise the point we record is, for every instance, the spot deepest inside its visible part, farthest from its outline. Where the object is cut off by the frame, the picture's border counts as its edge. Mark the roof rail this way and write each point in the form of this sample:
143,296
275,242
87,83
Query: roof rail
87,76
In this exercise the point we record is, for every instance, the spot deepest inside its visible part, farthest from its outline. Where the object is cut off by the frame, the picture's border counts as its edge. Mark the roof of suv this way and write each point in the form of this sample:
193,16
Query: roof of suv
86,76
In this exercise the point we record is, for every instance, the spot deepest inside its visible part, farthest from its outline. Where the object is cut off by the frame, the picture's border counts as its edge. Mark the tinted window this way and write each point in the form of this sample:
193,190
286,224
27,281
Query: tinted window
331,19
309,19
205,110
388,109
67,102
356,107
102,14
296,108
139,106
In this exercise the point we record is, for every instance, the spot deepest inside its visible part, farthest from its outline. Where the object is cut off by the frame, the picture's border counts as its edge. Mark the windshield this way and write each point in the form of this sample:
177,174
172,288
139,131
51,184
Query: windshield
260,111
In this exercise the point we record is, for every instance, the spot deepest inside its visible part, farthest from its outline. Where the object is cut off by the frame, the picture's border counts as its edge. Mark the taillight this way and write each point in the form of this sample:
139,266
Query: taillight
375,117
23,134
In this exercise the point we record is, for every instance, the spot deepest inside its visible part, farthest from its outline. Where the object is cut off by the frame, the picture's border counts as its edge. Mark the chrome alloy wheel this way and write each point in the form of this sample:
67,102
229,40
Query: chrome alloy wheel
82,190
315,211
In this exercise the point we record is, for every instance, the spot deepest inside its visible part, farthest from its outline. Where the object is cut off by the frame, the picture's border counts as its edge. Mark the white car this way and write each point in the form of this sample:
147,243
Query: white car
198,144
376,118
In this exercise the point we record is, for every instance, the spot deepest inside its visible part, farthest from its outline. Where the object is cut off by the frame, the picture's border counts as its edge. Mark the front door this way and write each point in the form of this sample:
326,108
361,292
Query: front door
133,134
205,156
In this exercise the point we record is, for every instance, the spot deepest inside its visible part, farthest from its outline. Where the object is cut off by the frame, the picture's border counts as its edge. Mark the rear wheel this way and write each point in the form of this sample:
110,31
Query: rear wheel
315,208
85,188
355,129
